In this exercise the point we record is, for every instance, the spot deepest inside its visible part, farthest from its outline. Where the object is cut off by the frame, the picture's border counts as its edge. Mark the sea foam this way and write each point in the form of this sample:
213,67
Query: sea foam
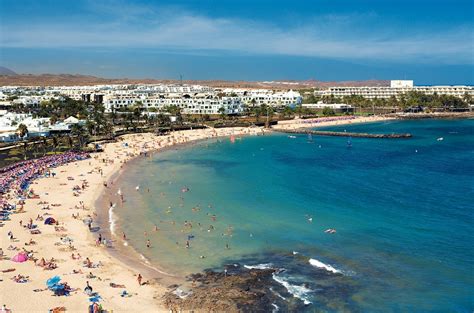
300,292
263,266
320,264
112,220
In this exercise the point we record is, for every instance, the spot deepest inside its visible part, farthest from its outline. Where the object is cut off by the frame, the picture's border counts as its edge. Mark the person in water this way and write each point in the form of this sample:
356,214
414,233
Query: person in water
148,243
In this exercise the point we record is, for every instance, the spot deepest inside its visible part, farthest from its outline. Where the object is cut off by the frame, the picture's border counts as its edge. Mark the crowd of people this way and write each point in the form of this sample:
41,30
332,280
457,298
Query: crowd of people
329,119
17,177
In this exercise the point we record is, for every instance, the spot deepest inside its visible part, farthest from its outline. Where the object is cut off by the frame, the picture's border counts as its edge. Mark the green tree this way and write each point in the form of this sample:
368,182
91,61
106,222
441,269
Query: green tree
269,113
467,98
222,112
257,112
55,143
175,110
80,133
22,131
327,111
287,111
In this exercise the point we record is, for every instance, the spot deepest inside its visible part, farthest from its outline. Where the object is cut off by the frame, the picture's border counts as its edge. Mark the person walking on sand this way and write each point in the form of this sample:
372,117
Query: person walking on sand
139,279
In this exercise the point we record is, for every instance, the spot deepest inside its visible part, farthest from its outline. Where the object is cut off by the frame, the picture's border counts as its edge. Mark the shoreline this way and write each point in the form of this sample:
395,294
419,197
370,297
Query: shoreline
112,162
299,123
101,167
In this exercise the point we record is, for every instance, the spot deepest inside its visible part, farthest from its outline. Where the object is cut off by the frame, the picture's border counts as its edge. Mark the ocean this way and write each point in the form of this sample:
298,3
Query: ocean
401,210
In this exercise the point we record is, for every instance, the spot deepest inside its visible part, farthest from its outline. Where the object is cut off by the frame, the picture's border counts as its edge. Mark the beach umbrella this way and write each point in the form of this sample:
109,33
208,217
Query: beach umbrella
53,281
20,257
50,221
96,298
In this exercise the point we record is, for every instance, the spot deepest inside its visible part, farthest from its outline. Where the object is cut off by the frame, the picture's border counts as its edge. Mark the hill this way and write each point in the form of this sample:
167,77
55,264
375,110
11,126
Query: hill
6,71
87,80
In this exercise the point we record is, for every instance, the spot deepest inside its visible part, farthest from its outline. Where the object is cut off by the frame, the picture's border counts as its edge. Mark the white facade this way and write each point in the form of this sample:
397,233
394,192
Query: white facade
266,96
401,84
321,105
193,99
9,123
188,104
397,88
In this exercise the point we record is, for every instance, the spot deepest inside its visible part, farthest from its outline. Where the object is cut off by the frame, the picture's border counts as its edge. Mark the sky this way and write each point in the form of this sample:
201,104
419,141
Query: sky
429,41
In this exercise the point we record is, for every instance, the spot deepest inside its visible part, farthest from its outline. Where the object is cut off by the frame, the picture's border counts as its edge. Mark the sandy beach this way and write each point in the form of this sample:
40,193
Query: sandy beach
299,123
61,204
70,207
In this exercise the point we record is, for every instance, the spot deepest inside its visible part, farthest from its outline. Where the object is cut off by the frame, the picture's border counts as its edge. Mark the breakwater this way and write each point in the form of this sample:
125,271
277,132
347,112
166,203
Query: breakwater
343,134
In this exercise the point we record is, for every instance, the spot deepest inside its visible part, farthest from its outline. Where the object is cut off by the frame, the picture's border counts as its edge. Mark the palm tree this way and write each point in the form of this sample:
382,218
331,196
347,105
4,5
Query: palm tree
467,98
45,144
79,132
269,111
222,112
113,115
245,109
256,111
137,109
287,111
175,111
25,149
22,130
55,143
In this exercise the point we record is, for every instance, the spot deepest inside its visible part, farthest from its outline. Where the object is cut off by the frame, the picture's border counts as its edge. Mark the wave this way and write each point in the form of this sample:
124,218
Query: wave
320,264
263,266
112,220
148,264
300,292
144,259
276,308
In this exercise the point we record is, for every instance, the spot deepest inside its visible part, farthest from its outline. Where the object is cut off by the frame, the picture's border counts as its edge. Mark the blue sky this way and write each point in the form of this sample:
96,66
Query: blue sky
431,42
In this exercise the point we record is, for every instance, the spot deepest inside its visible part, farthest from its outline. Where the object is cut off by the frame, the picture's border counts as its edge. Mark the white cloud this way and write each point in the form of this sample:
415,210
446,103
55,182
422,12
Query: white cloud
331,36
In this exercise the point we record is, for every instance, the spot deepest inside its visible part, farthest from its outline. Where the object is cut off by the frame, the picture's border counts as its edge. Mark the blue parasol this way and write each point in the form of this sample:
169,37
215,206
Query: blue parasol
96,298
53,281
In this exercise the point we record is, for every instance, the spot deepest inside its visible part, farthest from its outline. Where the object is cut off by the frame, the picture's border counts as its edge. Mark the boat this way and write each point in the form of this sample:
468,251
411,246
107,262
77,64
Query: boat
291,136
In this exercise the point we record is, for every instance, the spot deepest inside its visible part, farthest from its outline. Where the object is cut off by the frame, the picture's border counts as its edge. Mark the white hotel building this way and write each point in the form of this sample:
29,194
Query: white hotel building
197,104
266,96
397,88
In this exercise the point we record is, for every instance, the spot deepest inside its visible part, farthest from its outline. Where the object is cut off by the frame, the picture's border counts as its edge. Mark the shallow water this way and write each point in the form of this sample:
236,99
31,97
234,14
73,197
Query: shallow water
402,209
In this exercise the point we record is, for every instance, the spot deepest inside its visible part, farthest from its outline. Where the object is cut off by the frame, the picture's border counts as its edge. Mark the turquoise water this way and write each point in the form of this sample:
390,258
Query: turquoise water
402,209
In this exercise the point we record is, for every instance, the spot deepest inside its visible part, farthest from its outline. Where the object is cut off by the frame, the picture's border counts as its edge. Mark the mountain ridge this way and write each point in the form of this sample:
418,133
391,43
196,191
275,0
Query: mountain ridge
88,80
